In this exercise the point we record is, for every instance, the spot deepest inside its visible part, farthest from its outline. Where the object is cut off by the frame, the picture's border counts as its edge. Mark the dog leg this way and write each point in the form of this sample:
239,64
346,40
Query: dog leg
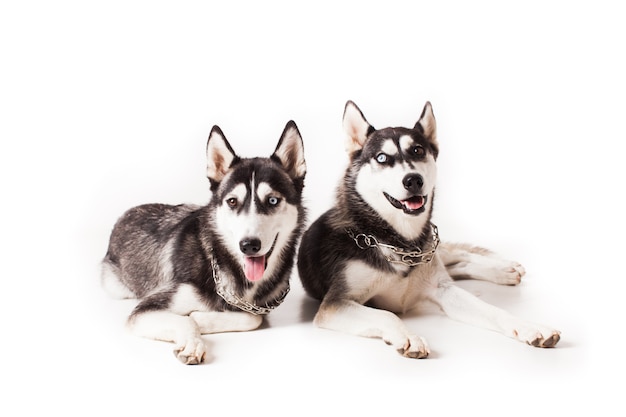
170,327
225,321
460,305
353,318
466,261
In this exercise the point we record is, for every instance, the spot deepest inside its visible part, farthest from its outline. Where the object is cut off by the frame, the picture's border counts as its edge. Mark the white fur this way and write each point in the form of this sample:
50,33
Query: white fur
291,152
186,300
165,262
186,320
373,179
270,229
355,126
486,267
389,148
406,142
219,157
389,292
112,284
185,330
428,123
175,311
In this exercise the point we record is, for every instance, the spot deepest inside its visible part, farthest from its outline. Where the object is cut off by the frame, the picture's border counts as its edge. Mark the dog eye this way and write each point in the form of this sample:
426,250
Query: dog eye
273,201
232,202
418,151
381,158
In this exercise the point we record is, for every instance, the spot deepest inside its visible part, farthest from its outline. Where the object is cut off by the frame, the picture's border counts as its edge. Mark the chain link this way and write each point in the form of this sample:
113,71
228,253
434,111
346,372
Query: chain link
236,301
408,258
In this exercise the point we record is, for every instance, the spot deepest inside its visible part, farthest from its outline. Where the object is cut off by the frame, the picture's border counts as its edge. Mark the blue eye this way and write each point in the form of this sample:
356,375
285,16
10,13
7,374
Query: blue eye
381,158
272,201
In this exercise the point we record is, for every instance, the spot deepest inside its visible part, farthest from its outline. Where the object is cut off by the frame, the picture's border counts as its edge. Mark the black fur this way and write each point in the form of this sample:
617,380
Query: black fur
154,248
326,246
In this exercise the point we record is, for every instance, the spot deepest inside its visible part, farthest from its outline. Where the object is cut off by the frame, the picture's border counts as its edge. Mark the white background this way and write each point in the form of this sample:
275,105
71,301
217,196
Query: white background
106,105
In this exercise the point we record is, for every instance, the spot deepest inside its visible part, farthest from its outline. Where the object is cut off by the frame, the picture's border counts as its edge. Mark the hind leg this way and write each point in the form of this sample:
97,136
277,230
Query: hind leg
466,261
111,283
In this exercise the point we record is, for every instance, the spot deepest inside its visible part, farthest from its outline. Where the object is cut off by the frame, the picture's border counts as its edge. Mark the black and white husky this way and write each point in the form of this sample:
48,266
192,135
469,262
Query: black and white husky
376,252
214,268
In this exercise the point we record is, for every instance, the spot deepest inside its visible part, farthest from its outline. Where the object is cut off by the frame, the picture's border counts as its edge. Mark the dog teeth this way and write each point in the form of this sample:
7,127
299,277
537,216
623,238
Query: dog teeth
409,205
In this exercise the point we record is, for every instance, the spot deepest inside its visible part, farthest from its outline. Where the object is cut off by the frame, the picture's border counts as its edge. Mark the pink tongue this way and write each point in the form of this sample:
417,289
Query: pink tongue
254,267
413,203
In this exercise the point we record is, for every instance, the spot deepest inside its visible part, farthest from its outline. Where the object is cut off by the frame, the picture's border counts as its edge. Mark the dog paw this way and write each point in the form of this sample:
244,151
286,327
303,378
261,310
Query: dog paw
415,347
545,342
512,275
544,338
192,352
505,272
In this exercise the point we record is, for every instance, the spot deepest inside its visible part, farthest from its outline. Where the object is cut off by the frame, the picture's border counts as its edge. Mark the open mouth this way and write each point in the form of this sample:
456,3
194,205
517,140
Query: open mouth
413,206
254,266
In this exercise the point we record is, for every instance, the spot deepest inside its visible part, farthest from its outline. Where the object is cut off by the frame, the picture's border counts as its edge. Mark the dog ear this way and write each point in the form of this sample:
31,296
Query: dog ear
356,127
220,156
427,124
290,151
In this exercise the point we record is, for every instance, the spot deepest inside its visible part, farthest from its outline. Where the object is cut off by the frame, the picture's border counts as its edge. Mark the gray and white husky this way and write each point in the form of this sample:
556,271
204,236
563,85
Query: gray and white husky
214,268
376,252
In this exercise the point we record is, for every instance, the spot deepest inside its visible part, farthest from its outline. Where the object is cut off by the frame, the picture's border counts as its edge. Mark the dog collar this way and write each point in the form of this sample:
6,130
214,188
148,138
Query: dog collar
234,300
405,257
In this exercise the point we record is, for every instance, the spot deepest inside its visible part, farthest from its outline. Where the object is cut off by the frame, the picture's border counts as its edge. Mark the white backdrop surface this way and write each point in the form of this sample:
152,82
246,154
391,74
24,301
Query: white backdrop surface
106,105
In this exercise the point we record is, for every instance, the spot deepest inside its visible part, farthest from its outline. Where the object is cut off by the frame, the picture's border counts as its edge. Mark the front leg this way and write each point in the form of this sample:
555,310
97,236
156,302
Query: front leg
351,317
164,325
460,305
225,321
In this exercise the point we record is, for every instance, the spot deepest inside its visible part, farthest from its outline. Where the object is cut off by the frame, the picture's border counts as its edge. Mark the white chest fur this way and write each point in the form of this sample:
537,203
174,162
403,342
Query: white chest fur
395,292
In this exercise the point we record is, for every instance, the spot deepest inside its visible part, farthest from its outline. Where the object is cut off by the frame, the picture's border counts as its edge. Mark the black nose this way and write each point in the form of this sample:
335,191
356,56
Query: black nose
250,246
413,183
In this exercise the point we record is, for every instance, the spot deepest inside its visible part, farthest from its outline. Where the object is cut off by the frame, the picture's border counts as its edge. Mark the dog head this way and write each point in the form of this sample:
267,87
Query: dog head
394,168
256,201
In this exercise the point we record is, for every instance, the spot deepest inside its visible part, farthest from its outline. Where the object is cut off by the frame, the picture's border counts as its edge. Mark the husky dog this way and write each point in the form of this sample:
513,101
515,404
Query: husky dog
376,252
214,268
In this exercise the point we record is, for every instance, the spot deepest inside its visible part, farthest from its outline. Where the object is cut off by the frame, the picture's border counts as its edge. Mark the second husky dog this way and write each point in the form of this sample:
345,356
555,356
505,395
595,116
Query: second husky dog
217,268
376,252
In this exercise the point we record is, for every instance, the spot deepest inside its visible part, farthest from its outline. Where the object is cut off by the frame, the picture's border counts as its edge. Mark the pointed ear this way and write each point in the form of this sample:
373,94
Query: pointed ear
220,156
290,151
426,124
356,127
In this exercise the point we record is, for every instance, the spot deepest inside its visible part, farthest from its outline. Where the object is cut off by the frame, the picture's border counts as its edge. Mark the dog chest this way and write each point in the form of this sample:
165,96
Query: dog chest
395,292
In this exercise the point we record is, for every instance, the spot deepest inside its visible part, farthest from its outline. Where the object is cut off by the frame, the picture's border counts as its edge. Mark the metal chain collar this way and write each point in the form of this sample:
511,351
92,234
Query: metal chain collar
408,258
236,301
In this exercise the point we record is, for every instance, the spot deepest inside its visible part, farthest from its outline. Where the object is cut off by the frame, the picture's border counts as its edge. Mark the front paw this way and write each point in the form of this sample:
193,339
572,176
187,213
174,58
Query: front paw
545,342
192,352
414,347
538,337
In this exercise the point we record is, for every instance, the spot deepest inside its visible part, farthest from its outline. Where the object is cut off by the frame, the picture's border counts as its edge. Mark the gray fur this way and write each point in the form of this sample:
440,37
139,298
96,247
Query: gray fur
162,254
387,191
